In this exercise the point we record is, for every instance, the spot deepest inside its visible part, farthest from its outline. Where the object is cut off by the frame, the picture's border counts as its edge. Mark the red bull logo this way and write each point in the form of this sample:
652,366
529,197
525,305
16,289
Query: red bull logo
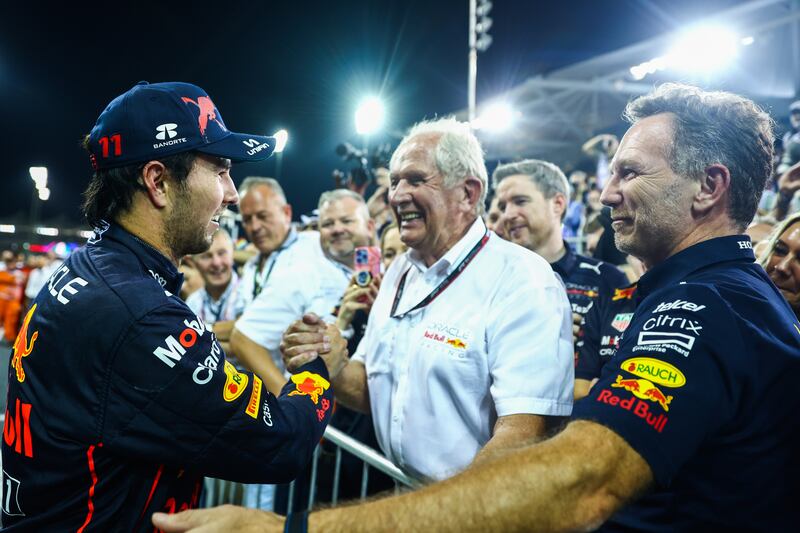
637,407
623,294
208,111
457,343
308,384
235,383
23,348
641,388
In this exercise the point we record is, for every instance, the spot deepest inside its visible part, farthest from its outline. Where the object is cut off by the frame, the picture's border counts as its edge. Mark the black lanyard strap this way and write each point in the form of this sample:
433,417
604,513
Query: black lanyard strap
442,286
259,284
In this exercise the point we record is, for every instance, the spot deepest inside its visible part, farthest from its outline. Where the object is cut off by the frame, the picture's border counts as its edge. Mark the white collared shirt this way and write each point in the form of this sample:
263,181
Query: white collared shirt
314,284
496,342
298,248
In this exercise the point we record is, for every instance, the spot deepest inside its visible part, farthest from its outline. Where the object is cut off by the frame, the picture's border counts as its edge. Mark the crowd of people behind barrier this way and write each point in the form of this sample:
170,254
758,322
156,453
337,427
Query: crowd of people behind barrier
469,382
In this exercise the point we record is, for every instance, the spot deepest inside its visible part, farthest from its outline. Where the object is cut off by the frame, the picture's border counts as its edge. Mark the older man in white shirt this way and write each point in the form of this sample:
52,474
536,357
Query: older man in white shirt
469,343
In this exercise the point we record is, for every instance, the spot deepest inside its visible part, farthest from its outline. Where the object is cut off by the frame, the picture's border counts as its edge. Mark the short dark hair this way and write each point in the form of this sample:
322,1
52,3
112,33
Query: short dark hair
715,127
110,191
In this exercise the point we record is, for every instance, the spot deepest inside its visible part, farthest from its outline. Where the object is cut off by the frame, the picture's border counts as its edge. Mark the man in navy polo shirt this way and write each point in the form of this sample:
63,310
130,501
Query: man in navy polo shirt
699,404
120,399
533,196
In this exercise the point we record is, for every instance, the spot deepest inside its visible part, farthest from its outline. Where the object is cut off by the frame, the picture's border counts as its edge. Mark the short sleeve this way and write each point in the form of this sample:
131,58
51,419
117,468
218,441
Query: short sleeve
529,337
674,380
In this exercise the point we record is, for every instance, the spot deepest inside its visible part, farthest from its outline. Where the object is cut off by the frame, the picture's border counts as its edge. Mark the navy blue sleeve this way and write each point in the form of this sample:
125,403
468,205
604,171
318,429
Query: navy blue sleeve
675,379
172,398
587,349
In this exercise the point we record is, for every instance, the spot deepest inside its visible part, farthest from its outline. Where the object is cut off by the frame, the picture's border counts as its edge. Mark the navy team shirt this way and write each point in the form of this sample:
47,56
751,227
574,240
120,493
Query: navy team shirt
704,387
120,400
588,280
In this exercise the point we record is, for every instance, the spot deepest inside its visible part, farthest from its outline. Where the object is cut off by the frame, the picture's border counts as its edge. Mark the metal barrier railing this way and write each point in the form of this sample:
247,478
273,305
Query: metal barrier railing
218,492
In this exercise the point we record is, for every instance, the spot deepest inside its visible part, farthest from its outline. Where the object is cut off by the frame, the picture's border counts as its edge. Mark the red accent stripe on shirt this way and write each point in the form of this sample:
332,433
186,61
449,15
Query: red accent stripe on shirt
152,491
90,460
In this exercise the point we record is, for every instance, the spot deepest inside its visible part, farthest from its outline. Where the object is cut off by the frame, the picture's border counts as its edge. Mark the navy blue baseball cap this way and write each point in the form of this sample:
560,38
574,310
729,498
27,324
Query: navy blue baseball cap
155,120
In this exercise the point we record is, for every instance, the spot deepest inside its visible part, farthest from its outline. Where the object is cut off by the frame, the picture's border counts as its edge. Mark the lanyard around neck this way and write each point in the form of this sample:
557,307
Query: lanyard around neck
260,283
442,286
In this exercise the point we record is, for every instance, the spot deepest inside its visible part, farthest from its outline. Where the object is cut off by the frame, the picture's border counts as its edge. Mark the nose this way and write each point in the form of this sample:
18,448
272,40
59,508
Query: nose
612,194
784,266
230,196
399,194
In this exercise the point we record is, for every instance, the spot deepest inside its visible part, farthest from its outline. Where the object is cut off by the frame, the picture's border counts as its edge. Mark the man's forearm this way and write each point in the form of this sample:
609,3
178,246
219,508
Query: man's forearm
350,387
511,433
574,481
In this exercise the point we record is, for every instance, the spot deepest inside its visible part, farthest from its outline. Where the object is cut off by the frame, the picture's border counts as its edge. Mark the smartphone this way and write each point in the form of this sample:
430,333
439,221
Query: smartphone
367,264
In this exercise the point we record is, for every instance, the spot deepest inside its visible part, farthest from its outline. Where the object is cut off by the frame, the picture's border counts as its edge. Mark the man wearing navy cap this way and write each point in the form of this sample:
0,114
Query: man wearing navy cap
120,398
698,408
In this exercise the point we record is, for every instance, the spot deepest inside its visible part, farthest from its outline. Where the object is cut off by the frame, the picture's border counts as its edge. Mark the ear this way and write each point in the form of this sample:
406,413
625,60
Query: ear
559,203
714,187
473,187
287,212
153,178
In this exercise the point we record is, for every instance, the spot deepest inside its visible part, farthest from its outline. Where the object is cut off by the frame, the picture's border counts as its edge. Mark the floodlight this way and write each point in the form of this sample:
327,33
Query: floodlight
496,117
44,194
369,116
7,228
39,176
43,230
281,137
704,48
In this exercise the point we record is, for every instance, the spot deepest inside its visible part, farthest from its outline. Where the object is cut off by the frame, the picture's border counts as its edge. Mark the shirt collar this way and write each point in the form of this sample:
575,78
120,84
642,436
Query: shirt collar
452,257
228,290
566,264
695,258
161,268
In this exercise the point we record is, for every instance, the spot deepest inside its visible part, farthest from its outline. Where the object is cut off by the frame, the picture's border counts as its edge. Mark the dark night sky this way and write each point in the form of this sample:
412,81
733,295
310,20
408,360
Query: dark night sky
299,65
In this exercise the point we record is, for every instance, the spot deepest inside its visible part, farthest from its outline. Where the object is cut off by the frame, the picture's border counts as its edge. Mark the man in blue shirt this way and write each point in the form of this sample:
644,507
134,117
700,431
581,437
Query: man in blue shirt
120,399
698,407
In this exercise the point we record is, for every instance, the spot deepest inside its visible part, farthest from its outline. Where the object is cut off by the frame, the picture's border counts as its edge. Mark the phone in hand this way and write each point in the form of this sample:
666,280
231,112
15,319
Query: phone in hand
367,264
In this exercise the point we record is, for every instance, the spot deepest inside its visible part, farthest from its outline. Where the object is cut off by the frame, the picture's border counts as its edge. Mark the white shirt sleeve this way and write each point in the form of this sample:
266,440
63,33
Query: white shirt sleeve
530,347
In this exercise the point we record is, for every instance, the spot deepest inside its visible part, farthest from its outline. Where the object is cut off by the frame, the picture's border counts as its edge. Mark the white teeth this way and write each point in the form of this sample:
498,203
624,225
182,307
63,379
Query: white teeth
409,216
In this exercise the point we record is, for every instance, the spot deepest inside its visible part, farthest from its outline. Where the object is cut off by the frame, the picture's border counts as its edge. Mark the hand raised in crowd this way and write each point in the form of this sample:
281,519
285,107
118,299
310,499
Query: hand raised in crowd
311,337
222,519
789,182
356,298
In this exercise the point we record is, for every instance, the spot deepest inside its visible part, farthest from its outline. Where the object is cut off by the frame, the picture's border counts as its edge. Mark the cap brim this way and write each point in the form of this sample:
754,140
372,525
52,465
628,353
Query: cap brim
239,147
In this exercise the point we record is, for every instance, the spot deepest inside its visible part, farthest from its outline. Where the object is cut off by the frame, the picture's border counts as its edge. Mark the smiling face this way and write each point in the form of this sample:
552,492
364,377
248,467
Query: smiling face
198,201
431,216
216,264
493,219
650,203
266,218
783,266
529,219
344,224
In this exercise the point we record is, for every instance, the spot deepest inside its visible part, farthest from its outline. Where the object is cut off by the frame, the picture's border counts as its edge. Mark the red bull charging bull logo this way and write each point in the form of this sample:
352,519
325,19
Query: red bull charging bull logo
208,111
308,384
641,388
23,348
623,294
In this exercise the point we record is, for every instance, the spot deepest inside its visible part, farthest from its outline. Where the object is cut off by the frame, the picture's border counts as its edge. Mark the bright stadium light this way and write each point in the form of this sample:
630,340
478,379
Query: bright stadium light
39,176
44,194
369,116
704,48
701,49
86,234
7,228
281,137
44,230
496,117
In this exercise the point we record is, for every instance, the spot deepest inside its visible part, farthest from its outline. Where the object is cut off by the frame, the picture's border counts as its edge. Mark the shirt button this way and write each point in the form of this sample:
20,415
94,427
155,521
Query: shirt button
396,418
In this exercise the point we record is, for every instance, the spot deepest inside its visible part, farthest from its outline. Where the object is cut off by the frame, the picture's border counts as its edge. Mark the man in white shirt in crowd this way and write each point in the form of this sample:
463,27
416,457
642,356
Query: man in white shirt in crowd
314,284
468,349
267,220
220,302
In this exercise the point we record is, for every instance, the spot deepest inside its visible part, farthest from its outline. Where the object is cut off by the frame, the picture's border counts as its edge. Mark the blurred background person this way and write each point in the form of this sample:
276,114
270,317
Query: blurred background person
391,245
192,280
493,218
781,260
219,303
